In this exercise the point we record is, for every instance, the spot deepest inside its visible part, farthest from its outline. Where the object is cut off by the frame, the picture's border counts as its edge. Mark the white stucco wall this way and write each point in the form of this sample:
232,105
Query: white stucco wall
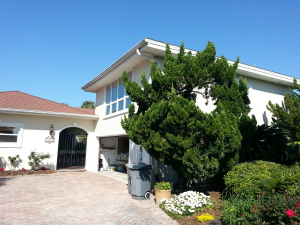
36,129
260,93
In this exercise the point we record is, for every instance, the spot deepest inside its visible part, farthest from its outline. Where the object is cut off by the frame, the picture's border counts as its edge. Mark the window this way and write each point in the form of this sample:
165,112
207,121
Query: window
116,97
11,134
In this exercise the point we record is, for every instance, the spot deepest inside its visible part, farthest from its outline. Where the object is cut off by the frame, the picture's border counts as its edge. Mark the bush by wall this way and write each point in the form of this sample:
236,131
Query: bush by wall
251,178
262,192
290,181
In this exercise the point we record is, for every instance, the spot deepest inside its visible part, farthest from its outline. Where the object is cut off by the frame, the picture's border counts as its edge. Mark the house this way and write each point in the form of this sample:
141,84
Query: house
29,123
112,102
95,139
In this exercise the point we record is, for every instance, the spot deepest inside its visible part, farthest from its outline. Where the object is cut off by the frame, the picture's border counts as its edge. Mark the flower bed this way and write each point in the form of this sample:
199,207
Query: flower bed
25,172
186,204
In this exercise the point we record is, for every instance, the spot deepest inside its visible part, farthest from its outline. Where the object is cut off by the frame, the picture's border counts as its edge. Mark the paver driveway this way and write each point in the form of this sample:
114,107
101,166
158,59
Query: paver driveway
73,198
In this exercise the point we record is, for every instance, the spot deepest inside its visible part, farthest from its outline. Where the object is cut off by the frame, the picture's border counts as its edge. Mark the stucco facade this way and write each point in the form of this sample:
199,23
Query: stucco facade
35,131
26,126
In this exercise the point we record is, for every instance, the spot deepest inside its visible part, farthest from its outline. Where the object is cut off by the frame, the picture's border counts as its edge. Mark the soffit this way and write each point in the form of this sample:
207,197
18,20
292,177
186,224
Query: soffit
115,73
265,75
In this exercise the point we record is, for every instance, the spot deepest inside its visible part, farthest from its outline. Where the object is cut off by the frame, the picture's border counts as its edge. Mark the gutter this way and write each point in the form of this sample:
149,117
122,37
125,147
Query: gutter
147,57
48,113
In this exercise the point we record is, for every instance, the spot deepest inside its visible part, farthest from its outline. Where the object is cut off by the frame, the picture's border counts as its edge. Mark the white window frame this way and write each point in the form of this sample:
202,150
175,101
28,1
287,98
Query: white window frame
117,101
19,135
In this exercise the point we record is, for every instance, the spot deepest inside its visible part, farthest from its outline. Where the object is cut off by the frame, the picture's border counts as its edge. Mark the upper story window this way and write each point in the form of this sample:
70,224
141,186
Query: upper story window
11,134
116,97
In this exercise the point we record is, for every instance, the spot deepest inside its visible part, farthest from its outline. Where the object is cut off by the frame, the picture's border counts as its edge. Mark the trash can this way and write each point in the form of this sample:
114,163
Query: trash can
139,180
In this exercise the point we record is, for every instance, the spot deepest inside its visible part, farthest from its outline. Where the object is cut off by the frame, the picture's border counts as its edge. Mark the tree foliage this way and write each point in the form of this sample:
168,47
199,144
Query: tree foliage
288,115
88,105
169,124
265,142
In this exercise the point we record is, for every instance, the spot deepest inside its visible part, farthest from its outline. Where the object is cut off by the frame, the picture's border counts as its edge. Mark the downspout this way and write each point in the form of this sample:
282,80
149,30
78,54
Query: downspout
147,57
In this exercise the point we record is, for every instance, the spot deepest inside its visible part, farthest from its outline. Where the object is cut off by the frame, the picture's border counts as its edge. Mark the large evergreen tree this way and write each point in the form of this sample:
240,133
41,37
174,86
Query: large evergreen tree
171,127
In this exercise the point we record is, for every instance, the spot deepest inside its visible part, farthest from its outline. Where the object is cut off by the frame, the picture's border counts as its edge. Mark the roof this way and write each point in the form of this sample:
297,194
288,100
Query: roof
22,103
150,48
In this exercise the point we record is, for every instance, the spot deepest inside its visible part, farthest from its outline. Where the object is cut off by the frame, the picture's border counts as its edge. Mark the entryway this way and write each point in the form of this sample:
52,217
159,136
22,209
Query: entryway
71,148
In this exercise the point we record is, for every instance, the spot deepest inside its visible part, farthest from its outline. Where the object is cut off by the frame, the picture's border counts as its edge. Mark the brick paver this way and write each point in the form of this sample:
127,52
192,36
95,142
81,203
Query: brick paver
73,198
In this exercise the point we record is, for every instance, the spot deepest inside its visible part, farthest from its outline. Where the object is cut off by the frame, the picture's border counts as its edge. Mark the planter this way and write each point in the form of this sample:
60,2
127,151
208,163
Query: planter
162,194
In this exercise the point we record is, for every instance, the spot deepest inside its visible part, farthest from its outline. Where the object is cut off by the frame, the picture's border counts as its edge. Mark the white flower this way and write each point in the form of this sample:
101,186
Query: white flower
187,202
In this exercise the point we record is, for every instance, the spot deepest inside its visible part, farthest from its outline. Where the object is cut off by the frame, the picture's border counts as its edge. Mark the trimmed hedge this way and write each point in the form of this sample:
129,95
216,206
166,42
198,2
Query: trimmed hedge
290,181
251,178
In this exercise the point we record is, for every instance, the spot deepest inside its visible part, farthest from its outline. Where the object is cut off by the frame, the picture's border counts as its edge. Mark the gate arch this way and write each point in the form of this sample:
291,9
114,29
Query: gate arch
71,148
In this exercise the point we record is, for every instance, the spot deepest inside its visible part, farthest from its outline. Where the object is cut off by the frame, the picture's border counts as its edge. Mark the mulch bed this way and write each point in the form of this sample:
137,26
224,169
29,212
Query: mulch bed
6,173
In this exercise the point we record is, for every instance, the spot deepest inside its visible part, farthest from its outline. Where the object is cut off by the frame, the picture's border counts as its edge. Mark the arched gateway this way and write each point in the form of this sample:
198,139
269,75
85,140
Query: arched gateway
71,148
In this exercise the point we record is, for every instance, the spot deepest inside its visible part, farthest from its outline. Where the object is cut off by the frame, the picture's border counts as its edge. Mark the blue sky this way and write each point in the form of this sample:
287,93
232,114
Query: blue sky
51,48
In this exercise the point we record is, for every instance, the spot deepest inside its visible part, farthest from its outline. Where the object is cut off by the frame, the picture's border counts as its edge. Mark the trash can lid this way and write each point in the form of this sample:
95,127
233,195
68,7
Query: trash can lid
138,166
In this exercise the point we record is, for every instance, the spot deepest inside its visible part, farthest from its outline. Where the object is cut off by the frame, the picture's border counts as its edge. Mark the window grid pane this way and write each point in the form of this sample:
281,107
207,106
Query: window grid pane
113,107
114,91
108,94
107,109
8,138
121,91
120,105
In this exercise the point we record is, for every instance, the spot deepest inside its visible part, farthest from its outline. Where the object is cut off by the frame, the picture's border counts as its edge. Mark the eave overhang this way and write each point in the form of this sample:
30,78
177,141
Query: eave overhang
156,49
48,113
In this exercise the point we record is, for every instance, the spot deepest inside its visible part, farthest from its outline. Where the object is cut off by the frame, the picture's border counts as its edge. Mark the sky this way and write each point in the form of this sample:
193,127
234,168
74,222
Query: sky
51,48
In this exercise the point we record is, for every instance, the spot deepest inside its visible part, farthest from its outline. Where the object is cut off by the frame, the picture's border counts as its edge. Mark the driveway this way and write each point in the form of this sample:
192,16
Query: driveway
73,198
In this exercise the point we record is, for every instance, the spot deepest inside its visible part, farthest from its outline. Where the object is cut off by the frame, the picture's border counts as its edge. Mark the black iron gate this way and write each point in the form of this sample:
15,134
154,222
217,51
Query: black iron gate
71,148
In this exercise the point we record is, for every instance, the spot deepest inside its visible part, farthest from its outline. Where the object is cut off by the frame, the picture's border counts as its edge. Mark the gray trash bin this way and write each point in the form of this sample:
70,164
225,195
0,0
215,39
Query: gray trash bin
139,180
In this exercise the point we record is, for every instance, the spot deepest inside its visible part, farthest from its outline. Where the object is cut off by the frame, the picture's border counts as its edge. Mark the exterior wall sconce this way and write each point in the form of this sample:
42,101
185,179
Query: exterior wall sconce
52,132
50,139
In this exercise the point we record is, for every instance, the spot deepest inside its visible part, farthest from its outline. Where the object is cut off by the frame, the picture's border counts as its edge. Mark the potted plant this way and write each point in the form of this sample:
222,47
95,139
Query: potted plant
162,191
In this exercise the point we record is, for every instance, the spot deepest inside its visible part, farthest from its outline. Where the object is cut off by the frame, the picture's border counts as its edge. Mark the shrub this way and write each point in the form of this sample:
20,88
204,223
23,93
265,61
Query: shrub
251,178
36,159
290,181
162,186
252,197
186,204
279,208
12,160
275,208
237,210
